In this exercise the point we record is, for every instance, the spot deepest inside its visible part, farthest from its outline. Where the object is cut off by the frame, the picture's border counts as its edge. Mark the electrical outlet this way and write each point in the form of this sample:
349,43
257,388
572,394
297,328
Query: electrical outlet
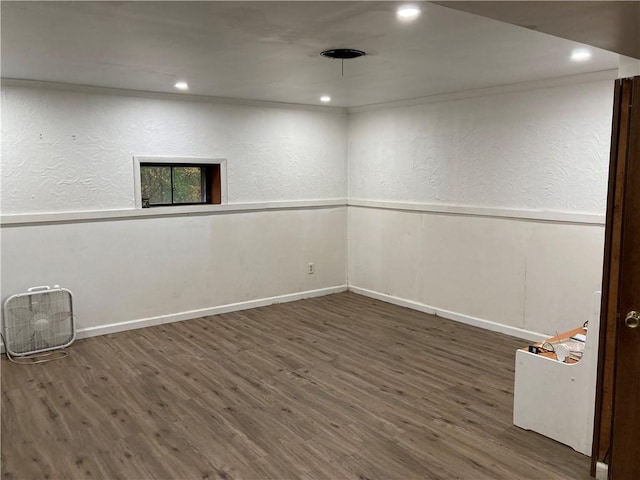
311,268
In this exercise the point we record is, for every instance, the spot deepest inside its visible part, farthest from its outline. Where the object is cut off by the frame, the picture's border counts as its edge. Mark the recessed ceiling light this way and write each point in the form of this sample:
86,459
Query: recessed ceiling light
325,98
580,55
408,12
182,86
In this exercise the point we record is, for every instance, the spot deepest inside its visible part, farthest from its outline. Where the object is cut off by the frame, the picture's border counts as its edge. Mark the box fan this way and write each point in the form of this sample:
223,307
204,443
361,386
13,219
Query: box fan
38,322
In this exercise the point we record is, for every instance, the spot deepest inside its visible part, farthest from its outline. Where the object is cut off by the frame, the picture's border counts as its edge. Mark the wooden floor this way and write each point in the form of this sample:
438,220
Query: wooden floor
338,387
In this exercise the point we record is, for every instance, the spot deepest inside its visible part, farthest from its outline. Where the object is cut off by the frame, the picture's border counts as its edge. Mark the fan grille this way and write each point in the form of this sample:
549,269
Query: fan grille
39,321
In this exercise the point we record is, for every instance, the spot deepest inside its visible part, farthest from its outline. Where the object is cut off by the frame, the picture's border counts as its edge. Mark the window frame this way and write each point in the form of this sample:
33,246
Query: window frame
180,162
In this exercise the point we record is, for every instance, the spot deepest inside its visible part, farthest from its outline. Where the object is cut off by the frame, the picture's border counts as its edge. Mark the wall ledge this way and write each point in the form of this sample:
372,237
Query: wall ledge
553,216
579,218
20,220
458,317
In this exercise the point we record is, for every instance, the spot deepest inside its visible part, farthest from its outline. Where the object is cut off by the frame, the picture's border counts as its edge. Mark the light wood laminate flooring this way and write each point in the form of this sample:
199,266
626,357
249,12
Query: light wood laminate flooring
337,387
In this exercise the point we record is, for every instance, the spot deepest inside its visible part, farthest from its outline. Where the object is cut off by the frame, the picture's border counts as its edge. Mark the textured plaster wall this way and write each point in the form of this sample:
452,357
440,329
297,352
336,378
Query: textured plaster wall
71,151
544,149
540,149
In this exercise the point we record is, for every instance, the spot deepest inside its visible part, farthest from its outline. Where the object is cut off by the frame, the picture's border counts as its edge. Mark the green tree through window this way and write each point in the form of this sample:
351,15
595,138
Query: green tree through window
179,184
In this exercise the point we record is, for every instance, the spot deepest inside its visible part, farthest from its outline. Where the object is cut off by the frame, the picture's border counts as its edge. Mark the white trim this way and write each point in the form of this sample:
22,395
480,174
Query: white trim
177,211
498,90
122,92
445,97
138,159
602,471
458,317
204,312
469,210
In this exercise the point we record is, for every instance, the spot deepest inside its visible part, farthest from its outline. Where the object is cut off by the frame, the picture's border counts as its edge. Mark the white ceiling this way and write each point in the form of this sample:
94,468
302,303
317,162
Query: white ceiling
611,25
270,50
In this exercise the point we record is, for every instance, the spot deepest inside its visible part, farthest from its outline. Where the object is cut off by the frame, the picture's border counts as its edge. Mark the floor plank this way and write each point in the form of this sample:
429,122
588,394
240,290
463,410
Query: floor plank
338,387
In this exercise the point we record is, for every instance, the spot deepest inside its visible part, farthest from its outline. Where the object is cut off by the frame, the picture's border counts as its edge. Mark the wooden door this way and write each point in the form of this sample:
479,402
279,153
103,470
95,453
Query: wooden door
617,425
625,449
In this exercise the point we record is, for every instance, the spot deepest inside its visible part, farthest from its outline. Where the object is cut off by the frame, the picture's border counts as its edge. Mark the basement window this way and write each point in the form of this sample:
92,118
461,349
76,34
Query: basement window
171,181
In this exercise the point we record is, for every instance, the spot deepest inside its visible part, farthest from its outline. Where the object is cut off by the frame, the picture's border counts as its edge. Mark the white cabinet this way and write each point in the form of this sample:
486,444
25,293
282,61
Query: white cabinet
557,399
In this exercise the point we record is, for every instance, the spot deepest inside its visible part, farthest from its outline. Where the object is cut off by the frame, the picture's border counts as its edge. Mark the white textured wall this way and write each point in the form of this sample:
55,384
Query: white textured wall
66,151
543,149
71,151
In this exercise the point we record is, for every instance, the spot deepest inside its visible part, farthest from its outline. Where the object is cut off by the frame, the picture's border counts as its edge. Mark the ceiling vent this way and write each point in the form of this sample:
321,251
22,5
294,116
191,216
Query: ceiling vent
343,53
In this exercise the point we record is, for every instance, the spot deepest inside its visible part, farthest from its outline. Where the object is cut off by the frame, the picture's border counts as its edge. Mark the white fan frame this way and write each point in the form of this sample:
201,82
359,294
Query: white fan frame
30,292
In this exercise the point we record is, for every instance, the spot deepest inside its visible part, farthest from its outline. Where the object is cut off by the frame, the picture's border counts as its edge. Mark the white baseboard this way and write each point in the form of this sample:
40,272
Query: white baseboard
602,471
291,297
458,317
191,314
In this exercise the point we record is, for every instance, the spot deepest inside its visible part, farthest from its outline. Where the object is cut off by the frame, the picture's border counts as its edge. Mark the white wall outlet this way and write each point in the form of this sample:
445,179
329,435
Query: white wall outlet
311,269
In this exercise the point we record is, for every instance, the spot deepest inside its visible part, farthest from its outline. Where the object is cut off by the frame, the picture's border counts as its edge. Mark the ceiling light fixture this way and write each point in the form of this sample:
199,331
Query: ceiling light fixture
182,85
325,98
580,55
343,54
407,13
